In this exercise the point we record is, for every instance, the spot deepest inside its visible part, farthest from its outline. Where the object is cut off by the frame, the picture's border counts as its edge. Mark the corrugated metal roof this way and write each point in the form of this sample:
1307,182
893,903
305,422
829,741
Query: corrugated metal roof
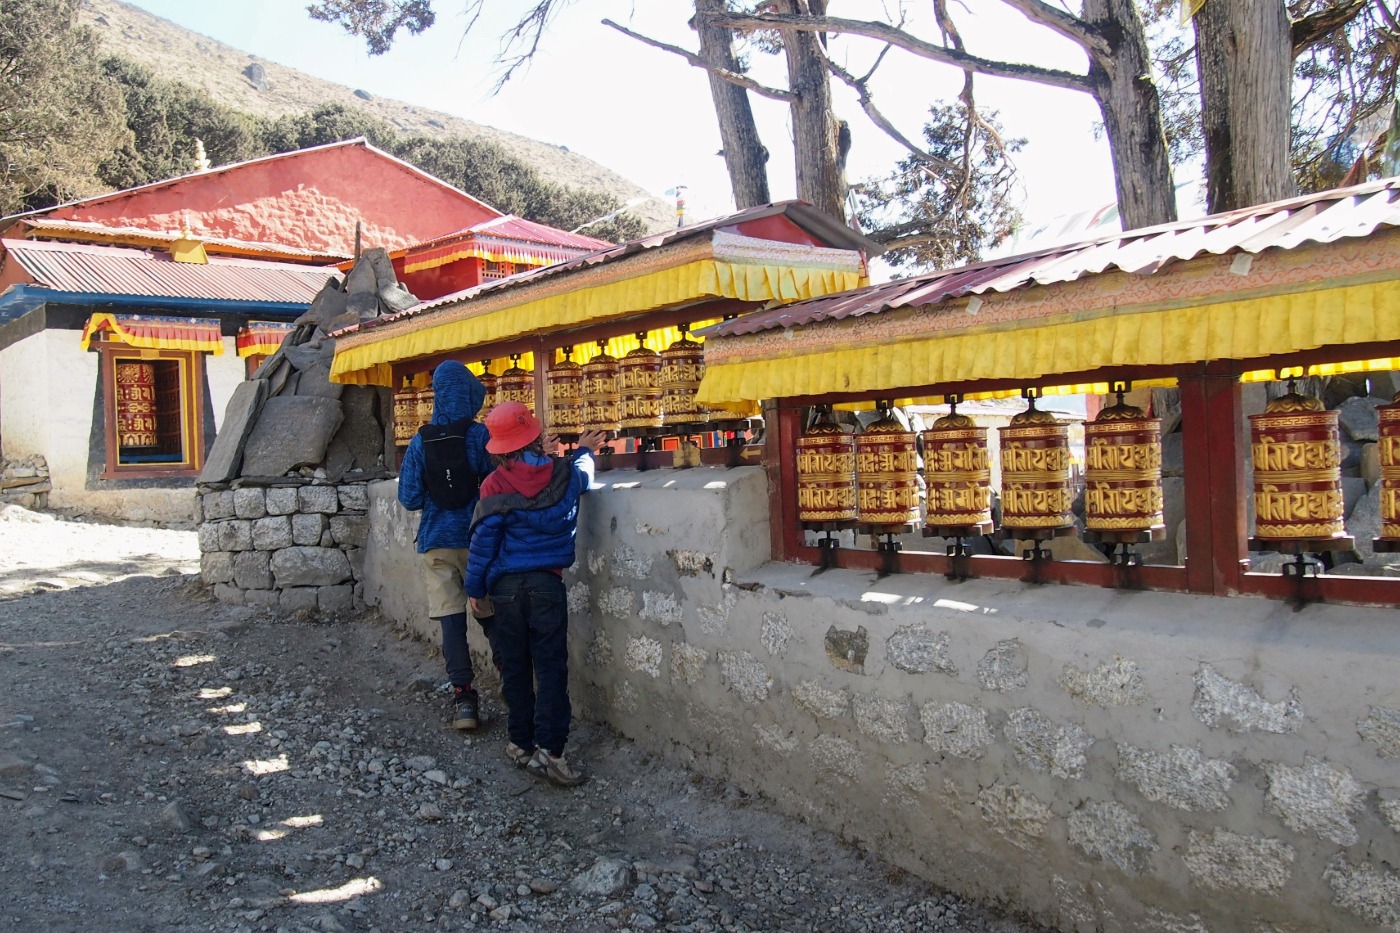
518,228
804,215
1317,218
138,236
80,268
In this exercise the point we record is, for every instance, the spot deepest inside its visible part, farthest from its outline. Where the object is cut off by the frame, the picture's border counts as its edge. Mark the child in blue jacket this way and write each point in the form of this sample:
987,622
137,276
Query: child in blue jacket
442,532
522,538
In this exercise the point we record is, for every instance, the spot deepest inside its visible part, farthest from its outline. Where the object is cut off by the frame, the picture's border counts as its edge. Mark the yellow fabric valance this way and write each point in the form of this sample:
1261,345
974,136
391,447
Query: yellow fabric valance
157,332
364,358
1245,329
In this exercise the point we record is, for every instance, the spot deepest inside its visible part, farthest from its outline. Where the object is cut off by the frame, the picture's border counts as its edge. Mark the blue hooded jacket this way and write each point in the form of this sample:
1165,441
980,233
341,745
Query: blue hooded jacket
527,518
457,394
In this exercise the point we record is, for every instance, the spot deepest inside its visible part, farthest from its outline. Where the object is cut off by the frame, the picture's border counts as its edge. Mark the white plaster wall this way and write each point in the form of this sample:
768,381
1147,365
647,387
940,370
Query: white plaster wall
224,373
1100,759
24,397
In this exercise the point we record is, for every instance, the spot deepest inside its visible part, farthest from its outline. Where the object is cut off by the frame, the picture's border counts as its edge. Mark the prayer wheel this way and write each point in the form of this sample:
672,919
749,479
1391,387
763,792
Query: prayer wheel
682,366
516,385
639,387
1035,467
826,473
405,414
957,474
600,396
425,406
1123,471
1389,450
1297,451
136,405
887,471
488,380
564,387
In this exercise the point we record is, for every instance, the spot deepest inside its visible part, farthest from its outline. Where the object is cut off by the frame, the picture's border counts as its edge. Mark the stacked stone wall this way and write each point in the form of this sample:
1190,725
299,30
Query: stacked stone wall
285,547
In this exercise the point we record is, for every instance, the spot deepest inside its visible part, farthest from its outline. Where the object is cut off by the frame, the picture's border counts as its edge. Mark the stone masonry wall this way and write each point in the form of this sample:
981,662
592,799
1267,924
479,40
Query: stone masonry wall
285,547
1100,759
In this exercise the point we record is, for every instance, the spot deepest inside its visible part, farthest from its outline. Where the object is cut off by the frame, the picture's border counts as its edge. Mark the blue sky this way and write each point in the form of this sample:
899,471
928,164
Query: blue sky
646,114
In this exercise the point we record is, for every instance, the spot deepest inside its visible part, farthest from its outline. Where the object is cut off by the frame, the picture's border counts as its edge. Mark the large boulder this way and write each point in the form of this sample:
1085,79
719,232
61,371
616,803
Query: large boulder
292,432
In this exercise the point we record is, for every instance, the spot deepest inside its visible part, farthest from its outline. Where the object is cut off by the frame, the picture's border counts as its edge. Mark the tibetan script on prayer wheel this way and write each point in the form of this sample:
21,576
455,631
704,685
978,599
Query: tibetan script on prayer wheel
957,474
564,390
405,415
488,382
1297,470
1389,449
516,385
887,474
639,388
826,474
136,405
682,366
1035,468
1123,471
425,406
600,397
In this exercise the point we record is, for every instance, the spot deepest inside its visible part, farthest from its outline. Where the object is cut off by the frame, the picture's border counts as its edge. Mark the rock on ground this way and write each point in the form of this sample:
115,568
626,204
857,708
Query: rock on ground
173,763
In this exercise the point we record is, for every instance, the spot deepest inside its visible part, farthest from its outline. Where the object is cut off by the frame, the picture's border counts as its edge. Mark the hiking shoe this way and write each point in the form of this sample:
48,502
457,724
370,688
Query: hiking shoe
465,707
518,756
556,771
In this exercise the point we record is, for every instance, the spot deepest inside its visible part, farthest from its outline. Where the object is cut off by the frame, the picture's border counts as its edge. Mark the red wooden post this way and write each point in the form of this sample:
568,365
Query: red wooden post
783,427
1213,455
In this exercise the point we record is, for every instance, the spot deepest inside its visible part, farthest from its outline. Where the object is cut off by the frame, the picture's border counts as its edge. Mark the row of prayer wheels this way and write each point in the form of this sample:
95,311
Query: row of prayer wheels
871,478
136,404
644,389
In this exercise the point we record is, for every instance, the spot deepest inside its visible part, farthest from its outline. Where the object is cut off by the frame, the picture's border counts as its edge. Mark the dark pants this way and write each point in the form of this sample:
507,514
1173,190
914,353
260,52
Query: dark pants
455,654
531,641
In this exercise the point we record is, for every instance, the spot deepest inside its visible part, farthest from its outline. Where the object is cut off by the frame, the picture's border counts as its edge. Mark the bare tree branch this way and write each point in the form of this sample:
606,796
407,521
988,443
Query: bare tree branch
1312,29
1066,24
867,104
733,77
886,33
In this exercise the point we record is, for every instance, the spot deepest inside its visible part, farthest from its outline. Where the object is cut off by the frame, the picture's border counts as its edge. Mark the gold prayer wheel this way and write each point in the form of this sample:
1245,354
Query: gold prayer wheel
488,380
564,388
887,471
1035,465
600,397
1297,451
136,404
424,406
826,473
682,366
516,385
405,414
957,474
639,387
1123,471
1389,450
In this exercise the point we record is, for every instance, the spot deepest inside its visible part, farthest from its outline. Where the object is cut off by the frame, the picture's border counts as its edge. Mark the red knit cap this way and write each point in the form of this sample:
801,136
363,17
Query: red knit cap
512,426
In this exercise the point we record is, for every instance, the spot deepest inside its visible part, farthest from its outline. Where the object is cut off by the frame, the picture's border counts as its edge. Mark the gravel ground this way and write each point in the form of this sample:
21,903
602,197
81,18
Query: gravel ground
171,763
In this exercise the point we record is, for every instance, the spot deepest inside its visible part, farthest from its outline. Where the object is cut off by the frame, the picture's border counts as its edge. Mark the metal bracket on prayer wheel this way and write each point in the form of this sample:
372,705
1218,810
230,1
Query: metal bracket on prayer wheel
827,544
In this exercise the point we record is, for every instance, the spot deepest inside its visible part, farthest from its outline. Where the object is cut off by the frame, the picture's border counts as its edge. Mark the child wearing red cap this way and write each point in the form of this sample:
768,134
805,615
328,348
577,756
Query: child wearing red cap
522,538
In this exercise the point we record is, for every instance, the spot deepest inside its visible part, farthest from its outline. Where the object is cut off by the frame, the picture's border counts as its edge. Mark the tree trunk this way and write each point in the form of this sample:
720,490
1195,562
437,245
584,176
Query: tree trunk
1244,56
1132,115
818,147
744,154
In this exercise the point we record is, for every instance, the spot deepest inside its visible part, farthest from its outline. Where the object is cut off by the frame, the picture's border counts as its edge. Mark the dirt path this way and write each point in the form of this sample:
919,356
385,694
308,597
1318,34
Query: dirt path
171,763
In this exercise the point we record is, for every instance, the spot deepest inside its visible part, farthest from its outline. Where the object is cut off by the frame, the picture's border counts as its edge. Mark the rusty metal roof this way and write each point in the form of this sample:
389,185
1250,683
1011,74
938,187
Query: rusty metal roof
85,269
91,231
511,227
1316,218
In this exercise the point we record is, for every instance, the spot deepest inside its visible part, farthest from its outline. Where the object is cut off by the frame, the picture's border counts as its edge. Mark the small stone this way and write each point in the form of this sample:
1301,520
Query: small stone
500,913
429,811
122,861
543,886
201,852
437,777
459,899
246,791
443,864
176,817
420,763
523,890
355,860
487,901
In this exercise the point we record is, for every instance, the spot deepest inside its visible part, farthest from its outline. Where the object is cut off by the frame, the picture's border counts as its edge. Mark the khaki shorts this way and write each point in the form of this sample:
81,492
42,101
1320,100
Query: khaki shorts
446,572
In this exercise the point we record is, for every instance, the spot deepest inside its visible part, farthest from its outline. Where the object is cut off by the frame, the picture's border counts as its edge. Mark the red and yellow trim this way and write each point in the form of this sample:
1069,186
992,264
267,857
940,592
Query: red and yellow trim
152,332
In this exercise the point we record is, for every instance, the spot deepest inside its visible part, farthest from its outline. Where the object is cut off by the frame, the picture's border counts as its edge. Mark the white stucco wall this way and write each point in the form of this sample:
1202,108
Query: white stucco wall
24,397
1103,760
224,373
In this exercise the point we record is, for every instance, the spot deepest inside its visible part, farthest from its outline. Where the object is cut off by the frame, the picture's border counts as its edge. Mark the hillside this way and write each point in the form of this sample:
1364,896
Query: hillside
177,54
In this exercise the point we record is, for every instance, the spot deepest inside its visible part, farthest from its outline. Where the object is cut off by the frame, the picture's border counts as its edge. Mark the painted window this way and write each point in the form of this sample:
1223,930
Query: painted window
152,411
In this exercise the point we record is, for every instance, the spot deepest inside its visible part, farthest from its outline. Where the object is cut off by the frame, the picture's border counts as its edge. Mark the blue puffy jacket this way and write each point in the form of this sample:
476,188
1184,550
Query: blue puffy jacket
457,394
527,518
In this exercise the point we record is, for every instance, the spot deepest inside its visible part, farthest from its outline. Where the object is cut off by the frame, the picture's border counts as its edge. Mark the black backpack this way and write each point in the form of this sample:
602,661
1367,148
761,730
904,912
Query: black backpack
447,475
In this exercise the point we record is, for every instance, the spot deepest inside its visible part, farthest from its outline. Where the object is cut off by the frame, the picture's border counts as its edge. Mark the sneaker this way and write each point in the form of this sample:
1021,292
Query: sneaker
556,771
465,706
518,756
